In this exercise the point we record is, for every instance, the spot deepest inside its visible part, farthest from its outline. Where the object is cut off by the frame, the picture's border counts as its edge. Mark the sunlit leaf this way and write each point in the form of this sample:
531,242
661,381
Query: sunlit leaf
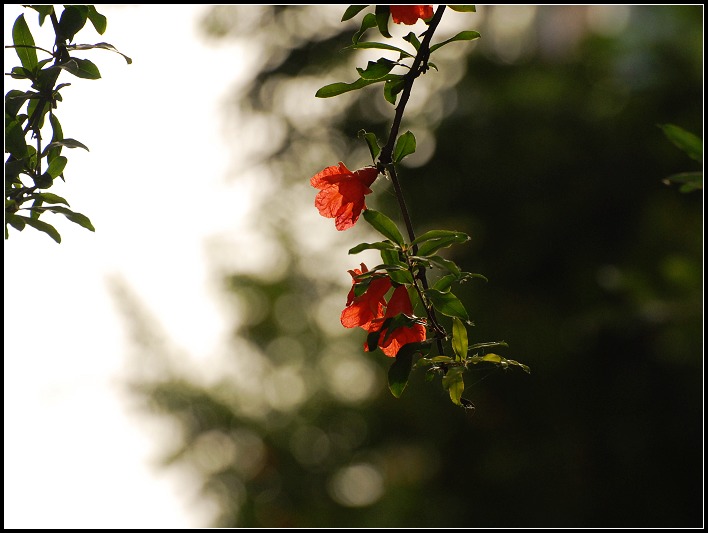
454,384
384,245
448,265
383,225
372,142
49,198
56,167
44,11
380,46
459,338
23,41
392,87
67,143
369,21
684,140
72,19
413,39
405,145
383,13
448,304
77,218
14,100
432,241
462,36
103,46
376,70
335,89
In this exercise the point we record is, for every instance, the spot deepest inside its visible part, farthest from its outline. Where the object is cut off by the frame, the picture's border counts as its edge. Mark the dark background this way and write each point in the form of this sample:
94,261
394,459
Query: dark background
551,158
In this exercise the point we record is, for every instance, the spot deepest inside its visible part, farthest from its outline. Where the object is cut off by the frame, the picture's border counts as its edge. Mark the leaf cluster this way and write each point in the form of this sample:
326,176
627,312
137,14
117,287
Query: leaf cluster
31,166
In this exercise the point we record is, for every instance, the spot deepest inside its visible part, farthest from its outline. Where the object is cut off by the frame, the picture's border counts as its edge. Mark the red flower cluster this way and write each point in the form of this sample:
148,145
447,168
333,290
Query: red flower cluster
342,191
370,310
403,14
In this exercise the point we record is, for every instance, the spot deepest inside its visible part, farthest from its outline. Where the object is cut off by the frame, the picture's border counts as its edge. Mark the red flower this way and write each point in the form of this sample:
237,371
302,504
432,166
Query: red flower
399,303
342,191
410,14
367,311
362,310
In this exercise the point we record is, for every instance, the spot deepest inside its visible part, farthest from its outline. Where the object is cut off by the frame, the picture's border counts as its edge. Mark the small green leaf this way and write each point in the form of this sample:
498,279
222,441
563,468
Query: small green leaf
77,218
44,11
57,135
454,384
413,39
369,21
16,221
690,181
56,167
462,36
428,245
335,89
459,338
400,370
372,142
82,68
392,87
43,181
352,11
14,100
376,70
384,245
104,46
383,13
463,9
23,41
21,73
405,145
444,283
684,140
379,46
42,226
67,143
400,274
72,19
99,21
447,303
15,139
383,225
49,198
448,265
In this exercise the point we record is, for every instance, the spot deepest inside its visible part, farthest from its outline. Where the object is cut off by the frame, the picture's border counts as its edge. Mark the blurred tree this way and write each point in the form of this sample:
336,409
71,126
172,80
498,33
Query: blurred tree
543,145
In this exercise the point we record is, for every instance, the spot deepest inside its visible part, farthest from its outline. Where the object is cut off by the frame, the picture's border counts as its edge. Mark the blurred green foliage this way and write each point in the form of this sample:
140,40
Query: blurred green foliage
548,154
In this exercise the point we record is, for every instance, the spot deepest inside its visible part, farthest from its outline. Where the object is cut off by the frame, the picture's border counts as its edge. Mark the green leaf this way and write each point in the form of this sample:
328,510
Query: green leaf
49,198
488,345
400,370
400,273
463,9
383,225
99,21
369,21
21,73
448,265
57,135
43,181
67,143
56,167
498,360
352,11
447,303
14,100
459,338
44,11
405,145
77,218
444,283
392,87
104,46
15,139
379,46
383,13
454,384
690,181
462,36
432,241
335,89
23,41
376,70
16,221
413,39
372,142
684,140
384,245
72,19
82,68
41,226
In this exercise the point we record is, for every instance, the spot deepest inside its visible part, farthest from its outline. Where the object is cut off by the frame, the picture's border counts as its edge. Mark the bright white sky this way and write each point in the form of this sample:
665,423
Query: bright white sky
75,456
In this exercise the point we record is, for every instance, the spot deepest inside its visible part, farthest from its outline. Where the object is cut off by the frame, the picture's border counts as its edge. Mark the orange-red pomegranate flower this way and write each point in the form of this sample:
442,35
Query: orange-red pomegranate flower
391,342
362,310
342,192
402,14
